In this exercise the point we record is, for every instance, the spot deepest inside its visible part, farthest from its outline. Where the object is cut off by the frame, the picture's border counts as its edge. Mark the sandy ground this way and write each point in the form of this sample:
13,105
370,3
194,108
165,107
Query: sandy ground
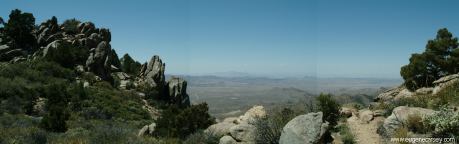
365,133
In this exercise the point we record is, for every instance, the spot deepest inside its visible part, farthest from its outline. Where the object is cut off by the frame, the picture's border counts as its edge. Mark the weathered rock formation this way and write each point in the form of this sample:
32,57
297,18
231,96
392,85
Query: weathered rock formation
304,129
177,92
99,60
152,73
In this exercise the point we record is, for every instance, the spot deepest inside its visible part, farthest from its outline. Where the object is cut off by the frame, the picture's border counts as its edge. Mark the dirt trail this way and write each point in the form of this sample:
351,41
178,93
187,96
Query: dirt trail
365,133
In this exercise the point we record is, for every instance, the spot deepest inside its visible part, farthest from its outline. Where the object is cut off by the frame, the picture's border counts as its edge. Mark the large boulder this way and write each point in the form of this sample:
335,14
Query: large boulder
221,128
444,82
399,117
304,129
245,133
251,115
347,112
177,92
238,130
366,115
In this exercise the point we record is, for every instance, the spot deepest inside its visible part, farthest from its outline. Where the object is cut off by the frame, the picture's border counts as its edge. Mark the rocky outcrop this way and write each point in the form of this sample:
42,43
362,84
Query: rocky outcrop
444,82
48,32
394,94
99,62
125,80
399,118
304,129
177,92
152,73
240,130
8,54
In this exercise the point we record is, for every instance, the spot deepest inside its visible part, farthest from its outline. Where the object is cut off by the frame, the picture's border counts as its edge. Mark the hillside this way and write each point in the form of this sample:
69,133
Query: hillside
63,83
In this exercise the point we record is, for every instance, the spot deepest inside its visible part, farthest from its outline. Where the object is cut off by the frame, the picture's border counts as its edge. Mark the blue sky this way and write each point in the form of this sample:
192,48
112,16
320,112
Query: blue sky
326,38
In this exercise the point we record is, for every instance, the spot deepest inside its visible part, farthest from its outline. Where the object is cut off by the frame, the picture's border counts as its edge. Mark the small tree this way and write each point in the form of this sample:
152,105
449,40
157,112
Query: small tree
329,107
129,65
19,29
55,119
70,26
440,58
175,122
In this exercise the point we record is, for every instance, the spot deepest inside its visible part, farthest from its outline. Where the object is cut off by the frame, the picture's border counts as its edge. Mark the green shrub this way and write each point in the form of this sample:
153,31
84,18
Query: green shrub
175,122
21,129
416,124
346,135
57,103
201,137
104,102
329,107
68,55
445,123
401,132
269,128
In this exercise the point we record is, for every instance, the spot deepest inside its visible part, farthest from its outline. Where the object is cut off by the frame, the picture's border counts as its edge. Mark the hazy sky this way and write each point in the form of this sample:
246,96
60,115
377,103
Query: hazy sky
327,38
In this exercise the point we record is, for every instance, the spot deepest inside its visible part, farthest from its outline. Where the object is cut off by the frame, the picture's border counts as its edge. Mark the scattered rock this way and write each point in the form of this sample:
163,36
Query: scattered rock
304,129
